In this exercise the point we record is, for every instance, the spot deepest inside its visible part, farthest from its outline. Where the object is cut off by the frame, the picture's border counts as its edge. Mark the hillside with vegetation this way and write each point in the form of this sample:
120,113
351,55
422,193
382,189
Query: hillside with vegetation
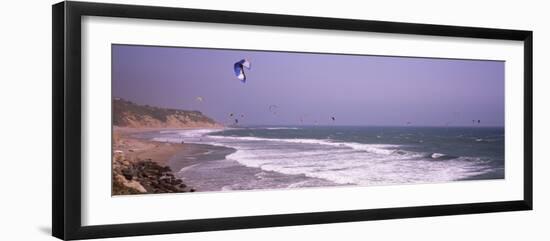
129,114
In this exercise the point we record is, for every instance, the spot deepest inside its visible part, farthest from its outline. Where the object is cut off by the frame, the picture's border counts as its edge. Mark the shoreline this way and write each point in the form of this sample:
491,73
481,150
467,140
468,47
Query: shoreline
197,153
206,168
210,168
141,166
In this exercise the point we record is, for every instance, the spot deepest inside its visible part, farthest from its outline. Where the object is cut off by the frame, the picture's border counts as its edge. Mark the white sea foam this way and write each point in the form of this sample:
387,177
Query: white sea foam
437,155
364,171
270,128
336,161
374,148
281,128
196,132
305,183
352,167
184,169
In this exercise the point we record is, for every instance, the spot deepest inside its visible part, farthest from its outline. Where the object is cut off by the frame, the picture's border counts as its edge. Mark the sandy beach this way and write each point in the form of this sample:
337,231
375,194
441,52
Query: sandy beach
139,149
142,166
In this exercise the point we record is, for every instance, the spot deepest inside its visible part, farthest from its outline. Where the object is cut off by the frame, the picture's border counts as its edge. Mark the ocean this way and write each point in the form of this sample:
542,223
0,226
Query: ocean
260,157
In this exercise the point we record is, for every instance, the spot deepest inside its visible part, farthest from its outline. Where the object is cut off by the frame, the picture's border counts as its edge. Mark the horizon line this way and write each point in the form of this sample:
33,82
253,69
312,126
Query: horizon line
325,125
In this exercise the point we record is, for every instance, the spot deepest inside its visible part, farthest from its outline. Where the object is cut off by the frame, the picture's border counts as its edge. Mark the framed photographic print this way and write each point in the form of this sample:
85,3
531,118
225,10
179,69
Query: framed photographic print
170,120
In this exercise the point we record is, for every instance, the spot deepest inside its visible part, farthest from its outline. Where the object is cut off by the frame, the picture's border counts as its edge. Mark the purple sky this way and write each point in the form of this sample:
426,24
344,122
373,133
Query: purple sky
356,90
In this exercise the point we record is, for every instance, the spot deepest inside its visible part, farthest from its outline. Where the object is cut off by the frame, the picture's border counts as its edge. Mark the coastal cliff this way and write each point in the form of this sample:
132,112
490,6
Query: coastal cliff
129,114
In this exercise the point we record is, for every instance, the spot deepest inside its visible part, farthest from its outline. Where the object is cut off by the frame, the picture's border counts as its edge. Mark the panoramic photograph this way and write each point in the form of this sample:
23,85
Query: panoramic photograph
219,120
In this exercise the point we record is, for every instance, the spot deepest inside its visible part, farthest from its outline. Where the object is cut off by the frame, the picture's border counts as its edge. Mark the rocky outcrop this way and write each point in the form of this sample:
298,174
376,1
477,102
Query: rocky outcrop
144,176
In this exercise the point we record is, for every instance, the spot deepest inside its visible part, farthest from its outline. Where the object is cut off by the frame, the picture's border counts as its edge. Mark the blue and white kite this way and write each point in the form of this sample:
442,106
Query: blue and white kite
239,69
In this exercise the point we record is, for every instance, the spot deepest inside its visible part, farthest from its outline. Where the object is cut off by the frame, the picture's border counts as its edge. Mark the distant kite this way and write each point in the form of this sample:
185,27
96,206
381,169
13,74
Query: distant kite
333,119
199,99
239,69
273,109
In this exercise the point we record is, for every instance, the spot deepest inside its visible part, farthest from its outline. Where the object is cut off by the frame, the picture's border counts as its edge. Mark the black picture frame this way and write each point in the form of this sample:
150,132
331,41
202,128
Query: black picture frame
66,128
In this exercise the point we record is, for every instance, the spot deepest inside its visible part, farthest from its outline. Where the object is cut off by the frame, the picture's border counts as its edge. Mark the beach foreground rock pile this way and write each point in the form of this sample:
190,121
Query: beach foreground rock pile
144,176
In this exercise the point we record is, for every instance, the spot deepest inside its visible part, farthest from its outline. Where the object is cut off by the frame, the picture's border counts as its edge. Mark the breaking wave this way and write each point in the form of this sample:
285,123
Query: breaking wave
341,162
